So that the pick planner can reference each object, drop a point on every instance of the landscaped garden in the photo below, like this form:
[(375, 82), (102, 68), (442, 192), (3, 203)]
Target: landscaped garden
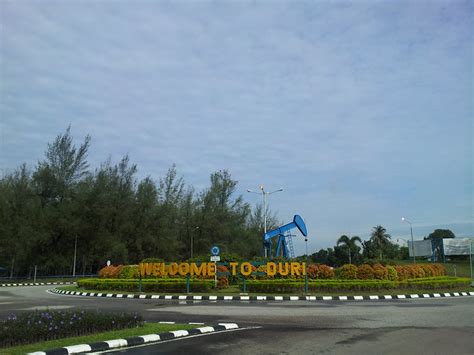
[(318, 278)]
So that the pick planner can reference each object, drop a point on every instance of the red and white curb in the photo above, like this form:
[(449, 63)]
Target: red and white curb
[(137, 340)]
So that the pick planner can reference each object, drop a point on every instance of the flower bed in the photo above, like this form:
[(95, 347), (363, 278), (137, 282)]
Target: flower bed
[(26, 328)]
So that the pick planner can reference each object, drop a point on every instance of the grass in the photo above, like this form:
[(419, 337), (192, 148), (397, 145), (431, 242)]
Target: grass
[(148, 328)]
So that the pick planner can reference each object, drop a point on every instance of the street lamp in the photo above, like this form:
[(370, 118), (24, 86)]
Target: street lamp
[(264, 198), (412, 244), (75, 254)]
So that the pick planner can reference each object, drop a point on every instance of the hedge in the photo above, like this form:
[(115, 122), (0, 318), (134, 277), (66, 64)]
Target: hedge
[(314, 271), (148, 285), (285, 286)]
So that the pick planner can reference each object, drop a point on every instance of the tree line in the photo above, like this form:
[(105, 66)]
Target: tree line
[(109, 214), (353, 250)]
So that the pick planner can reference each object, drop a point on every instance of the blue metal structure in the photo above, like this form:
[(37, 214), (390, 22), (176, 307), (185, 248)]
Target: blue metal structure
[(284, 245)]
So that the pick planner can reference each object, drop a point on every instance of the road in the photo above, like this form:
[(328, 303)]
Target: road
[(425, 326)]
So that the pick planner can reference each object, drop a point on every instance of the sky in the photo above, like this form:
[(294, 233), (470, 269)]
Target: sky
[(362, 111)]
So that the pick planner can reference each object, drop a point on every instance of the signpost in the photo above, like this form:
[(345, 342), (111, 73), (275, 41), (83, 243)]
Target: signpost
[(215, 258)]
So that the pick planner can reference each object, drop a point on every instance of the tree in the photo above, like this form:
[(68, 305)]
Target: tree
[(113, 215), (437, 237), (441, 233), (380, 238), (324, 256), (350, 245)]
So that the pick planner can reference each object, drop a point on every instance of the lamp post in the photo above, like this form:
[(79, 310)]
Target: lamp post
[(75, 254), (264, 198), (411, 232)]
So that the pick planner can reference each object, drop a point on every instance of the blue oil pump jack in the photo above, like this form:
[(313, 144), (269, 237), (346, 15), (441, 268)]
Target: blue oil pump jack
[(284, 237)]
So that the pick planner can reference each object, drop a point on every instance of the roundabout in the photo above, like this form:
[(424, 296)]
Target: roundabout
[(407, 325)]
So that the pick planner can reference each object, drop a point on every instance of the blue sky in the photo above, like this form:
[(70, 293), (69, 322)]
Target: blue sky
[(362, 111)]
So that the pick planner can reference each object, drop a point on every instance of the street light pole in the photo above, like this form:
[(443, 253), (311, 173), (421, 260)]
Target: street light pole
[(75, 253), (264, 199), (412, 243)]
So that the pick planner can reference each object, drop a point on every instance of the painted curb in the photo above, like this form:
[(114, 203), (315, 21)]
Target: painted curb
[(37, 284), (263, 298), (136, 340)]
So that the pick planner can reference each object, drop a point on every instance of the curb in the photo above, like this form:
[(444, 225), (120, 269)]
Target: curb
[(136, 340), (263, 298), (37, 284)]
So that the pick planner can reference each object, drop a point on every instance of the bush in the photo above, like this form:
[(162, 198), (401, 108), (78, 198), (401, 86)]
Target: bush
[(325, 272), (312, 271), (148, 285), (380, 272), (110, 272), (37, 326), (392, 274), (297, 286), (129, 272), (321, 271), (152, 260), (402, 272), (365, 272), (347, 272)]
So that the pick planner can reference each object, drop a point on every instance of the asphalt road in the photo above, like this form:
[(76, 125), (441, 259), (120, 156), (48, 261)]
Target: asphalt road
[(425, 326)]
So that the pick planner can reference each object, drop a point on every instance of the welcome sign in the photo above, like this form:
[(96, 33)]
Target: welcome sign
[(209, 269)]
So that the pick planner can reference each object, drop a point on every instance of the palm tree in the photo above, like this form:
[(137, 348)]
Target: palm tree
[(350, 243), (380, 237)]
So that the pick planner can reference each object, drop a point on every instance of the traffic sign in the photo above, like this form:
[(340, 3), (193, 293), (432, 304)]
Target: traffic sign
[(215, 250), (215, 258)]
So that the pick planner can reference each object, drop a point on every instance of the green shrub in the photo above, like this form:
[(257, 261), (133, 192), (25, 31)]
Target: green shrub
[(347, 272), (129, 272), (152, 260), (392, 274), (295, 286), (365, 272), (148, 285)]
